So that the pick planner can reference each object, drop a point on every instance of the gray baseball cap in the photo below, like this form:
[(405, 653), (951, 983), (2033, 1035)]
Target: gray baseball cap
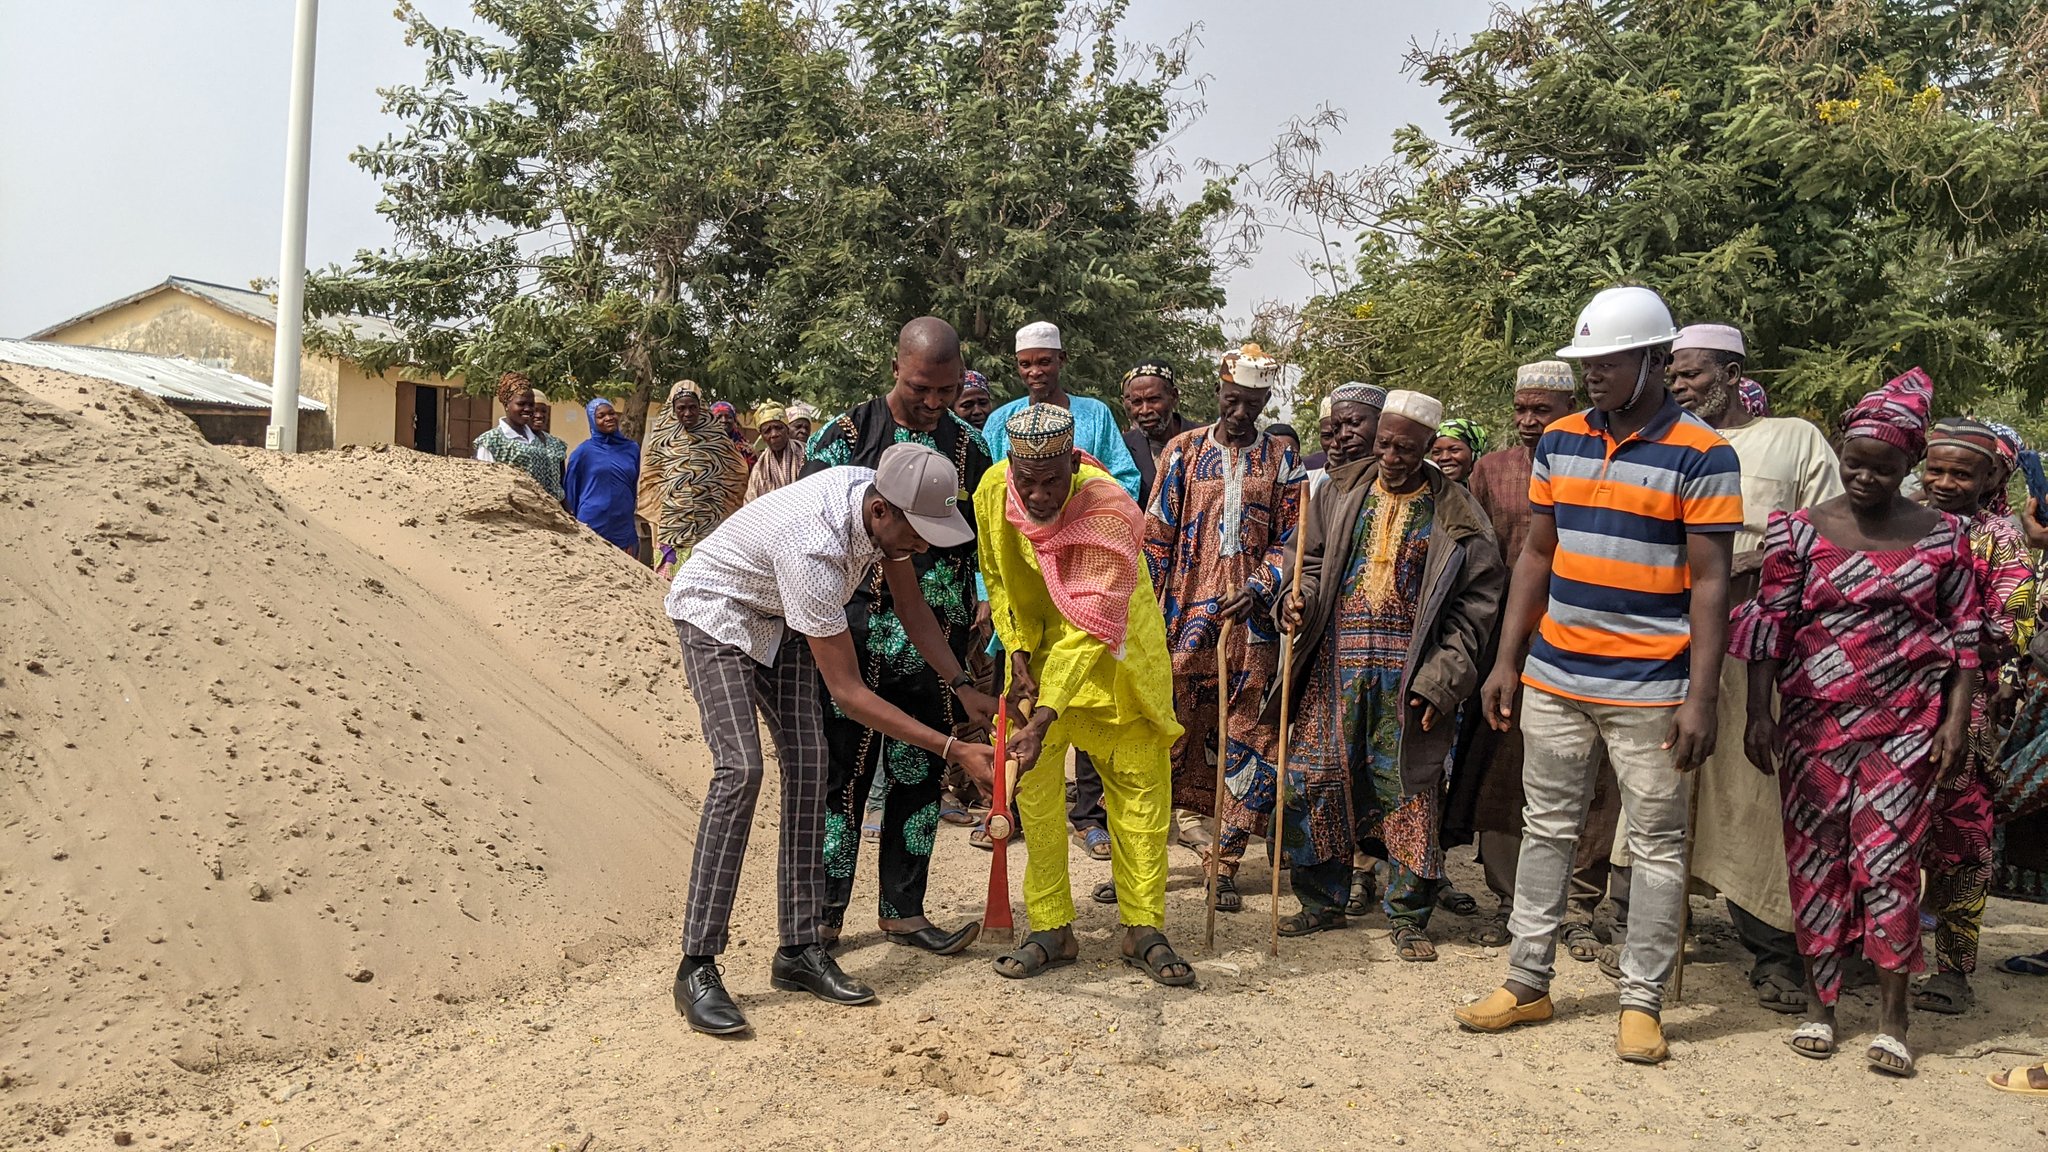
[(923, 486)]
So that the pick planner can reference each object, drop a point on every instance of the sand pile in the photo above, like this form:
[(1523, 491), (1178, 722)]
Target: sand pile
[(270, 784)]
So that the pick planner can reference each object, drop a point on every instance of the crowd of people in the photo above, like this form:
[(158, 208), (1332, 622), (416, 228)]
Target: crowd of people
[(1661, 644)]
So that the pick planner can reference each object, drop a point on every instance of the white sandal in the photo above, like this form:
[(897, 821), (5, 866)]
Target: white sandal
[(1813, 1030), (1891, 1046)]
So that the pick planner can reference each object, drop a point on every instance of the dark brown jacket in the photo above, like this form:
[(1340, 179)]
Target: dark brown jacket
[(1462, 581)]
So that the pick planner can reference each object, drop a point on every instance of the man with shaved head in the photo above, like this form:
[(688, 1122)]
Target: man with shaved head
[(917, 410)]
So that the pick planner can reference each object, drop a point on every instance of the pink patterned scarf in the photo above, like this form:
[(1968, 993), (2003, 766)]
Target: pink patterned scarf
[(1090, 555)]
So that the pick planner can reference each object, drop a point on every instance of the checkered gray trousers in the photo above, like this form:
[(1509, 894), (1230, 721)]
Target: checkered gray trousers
[(730, 686)]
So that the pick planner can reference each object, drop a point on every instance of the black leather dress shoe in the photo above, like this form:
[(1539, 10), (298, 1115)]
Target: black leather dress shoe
[(813, 971), (930, 939), (702, 1000)]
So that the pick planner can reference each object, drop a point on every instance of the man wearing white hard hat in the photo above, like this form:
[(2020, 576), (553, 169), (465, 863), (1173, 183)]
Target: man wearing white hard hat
[(1739, 827), (1486, 783), (1616, 625)]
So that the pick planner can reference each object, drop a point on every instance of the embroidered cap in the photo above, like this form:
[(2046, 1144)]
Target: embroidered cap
[(1353, 392), (1254, 369), (1546, 376), (924, 486), (1040, 431)]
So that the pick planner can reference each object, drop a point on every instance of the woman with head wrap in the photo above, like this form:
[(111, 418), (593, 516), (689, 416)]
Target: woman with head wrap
[(1966, 467), (692, 475), (514, 440), (598, 486), (782, 455), (1867, 623), (1457, 446), (729, 417), (975, 401)]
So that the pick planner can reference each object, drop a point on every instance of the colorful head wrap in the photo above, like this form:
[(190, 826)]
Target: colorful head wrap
[(1753, 398), (511, 384), (1370, 395), (768, 414), (723, 409), (2010, 443), (1159, 368), (970, 381), (1459, 428), (1895, 414), (1040, 432), (798, 410)]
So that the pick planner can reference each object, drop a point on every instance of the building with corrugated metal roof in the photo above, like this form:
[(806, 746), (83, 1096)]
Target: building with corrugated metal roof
[(236, 329), (229, 408)]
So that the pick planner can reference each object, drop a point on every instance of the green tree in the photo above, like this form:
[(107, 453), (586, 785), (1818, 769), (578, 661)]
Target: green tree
[(757, 197), (1859, 184)]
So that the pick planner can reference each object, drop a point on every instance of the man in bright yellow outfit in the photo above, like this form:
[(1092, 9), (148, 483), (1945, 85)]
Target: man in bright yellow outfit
[(1062, 553)]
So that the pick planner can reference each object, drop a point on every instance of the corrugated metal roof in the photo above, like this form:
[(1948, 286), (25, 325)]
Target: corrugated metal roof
[(261, 306), (164, 376), (258, 306)]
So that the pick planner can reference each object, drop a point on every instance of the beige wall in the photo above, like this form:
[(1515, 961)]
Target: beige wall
[(170, 323), (361, 408)]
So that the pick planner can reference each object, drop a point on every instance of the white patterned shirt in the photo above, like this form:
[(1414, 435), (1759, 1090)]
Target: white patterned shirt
[(793, 557)]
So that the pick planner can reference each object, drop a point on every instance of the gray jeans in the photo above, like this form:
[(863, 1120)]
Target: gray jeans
[(1562, 742)]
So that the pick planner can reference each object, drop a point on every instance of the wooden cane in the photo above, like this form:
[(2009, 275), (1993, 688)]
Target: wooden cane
[(1222, 747), (1674, 992), (1286, 701)]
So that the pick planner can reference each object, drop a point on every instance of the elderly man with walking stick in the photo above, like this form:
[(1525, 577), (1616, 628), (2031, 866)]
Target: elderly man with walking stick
[(1216, 537), (1395, 597)]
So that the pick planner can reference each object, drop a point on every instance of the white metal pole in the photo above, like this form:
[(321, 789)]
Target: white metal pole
[(283, 433)]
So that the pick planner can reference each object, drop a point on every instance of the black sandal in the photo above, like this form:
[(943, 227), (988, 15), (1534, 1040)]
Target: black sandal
[(1150, 943), (1413, 944), (1363, 896), (1038, 953), (1103, 893), (1306, 923), (1227, 896), (1582, 942), (1455, 902)]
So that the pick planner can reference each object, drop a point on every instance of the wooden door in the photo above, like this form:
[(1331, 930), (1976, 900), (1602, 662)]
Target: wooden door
[(468, 417), (403, 431)]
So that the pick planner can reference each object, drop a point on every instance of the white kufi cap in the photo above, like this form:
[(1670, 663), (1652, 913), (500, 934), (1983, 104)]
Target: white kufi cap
[(1427, 411), (1712, 337), (1038, 334)]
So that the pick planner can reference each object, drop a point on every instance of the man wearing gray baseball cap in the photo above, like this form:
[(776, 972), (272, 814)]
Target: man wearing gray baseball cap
[(760, 609)]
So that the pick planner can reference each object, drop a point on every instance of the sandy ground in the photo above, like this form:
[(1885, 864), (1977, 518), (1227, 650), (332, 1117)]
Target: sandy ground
[(528, 839)]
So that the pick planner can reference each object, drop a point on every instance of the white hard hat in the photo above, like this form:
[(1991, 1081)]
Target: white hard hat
[(1619, 319)]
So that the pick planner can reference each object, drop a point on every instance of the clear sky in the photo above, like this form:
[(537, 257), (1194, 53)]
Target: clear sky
[(146, 139)]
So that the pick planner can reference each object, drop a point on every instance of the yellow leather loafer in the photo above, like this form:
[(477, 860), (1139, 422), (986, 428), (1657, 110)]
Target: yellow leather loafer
[(1641, 1040), (1498, 1012)]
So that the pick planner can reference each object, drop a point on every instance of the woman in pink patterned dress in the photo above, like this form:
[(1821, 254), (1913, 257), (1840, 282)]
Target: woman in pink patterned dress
[(1866, 625)]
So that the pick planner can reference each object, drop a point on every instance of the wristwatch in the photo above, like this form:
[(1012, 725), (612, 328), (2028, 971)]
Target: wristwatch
[(963, 680)]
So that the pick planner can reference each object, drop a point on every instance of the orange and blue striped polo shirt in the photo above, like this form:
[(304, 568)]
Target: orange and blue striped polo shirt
[(1618, 630)]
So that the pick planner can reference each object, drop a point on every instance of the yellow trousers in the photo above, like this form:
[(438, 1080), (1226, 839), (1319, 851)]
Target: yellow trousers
[(1137, 795)]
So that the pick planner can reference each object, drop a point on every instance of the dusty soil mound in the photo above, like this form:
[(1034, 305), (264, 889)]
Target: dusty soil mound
[(267, 791)]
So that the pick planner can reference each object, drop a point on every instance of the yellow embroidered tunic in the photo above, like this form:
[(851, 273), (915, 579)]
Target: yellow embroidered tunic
[(1120, 712)]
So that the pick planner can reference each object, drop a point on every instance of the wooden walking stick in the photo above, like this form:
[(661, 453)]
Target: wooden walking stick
[(1674, 992), (1222, 748), (1286, 705), (995, 912)]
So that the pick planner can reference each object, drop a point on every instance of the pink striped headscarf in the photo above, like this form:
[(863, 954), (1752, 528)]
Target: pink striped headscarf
[(1089, 555)]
